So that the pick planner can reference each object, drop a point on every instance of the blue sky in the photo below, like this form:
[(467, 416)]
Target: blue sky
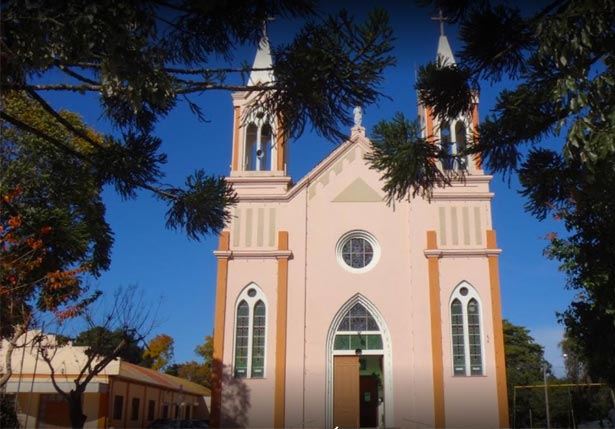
[(167, 266)]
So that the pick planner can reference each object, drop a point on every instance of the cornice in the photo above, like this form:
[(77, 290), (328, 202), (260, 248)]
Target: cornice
[(482, 196), (461, 253), (253, 254)]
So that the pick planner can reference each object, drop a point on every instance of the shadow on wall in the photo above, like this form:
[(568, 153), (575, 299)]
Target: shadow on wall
[(235, 400)]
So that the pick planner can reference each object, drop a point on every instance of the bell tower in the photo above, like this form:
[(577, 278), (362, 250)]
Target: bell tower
[(452, 134), (259, 152)]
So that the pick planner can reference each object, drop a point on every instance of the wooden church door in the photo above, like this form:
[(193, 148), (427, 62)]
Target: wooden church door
[(346, 391)]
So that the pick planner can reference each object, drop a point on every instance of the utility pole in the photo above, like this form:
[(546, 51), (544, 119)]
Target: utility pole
[(544, 371)]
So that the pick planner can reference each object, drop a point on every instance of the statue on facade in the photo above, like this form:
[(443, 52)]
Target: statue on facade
[(358, 116)]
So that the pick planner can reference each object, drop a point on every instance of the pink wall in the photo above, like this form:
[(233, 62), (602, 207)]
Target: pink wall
[(398, 286)]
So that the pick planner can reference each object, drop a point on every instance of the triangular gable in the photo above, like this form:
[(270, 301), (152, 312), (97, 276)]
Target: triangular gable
[(348, 152), (358, 192)]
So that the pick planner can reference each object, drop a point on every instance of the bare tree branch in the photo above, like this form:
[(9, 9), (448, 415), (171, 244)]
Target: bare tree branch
[(8, 358), (48, 359)]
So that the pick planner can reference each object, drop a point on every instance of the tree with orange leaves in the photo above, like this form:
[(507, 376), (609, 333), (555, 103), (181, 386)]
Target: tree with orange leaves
[(53, 232), (21, 256)]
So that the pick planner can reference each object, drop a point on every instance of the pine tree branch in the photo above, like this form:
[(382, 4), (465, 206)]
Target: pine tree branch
[(41, 101), (159, 191), (172, 6), (76, 75), (42, 135), (52, 87), (216, 70), (195, 86)]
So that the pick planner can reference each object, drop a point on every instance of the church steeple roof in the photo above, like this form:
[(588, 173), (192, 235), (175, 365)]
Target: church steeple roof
[(262, 60), (445, 53), (444, 50)]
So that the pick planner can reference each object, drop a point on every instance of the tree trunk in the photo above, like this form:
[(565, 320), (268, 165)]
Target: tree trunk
[(75, 405), (8, 358)]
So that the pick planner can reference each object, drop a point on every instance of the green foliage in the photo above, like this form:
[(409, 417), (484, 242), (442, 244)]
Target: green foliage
[(562, 61), (195, 371), (524, 357), (408, 162), (143, 57), (554, 125), (524, 366), (203, 208), (104, 342), (346, 61), (583, 198), (57, 200), (441, 79), (56, 190)]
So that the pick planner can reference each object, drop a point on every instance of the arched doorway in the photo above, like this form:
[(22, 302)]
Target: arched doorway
[(359, 375)]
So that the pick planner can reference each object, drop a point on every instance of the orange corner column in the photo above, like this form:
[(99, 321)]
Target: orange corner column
[(498, 331), (219, 320), (281, 324), (280, 141), (429, 128), (436, 332)]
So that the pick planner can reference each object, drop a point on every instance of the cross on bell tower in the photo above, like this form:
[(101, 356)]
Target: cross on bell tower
[(444, 53), (442, 20)]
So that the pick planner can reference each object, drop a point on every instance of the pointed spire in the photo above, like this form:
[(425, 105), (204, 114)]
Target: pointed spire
[(444, 48), (262, 60)]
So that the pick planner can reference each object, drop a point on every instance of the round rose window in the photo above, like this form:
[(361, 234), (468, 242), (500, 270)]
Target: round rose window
[(357, 251)]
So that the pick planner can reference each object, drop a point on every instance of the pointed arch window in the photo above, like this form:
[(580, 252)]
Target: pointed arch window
[(358, 330), (446, 145), (250, 333), (466, 332), (460, 142), (251, 146), (266, 145), (258, 143)]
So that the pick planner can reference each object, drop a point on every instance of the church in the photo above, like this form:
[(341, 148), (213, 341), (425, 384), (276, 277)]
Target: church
[(334, 309)]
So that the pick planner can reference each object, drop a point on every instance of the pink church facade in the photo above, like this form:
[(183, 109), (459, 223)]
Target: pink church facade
[(334, 309)]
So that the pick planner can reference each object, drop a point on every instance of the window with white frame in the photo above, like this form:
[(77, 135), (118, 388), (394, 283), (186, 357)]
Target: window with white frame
[(466, 331), (447, 146), (357, 251), (250, 333), (258, 143), (460, 146), (453, 142), (358, 330)]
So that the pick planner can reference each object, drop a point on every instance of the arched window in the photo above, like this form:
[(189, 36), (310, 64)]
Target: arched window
[(258, 147), (460, 139), (258, 339), (358, 330), (266, 143), (459, 354), (466, 332), (446, 144), (250, 333), (250, 147)]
